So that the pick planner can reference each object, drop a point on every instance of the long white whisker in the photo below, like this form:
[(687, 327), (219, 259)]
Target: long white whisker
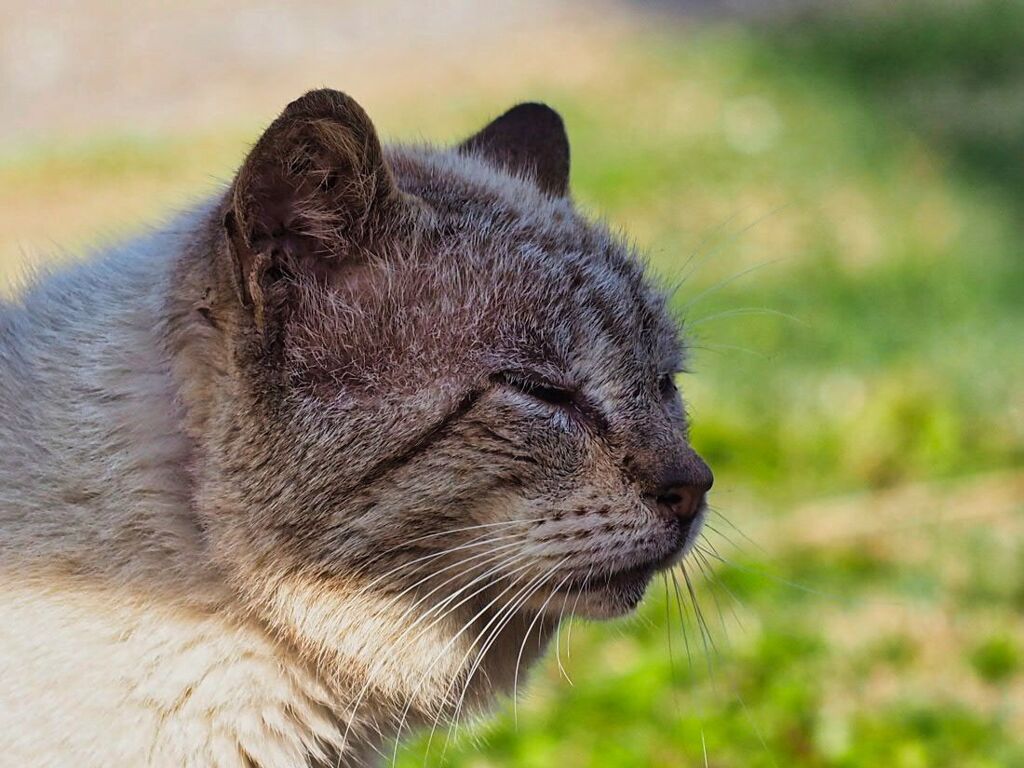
[(682, 621), (702, 626), (690, 267), (740, 312), (522, 647), (372, 673), (472, 543), (576, 602), (701, 561), (773, 577), (501, 619), (740, 531), (440, 654), (449, 531), (558, 640), (701, 554), (668, 634), (727, 281)]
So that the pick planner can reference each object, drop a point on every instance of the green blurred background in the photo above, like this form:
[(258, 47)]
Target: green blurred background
[(838, 190)]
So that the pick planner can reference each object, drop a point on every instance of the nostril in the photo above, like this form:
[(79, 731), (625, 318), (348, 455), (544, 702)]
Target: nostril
[(680, 501)]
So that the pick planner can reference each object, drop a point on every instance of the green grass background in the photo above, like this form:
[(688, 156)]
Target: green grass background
[(840, 196)]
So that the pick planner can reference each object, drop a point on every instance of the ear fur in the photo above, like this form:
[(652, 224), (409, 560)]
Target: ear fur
[(529, 139), (312, 189)]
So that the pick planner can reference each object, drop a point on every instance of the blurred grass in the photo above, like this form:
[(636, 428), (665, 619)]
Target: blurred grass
[(840, 196)]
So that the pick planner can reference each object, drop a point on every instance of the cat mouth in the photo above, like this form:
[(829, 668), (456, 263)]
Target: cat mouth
[(631, 575), (625, 582), (609, 581), (607, 593)]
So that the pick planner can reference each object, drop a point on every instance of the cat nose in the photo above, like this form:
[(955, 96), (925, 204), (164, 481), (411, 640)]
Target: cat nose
[(681, 496), (682, 502)]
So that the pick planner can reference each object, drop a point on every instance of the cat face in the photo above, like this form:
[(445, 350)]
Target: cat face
[(450, 384)]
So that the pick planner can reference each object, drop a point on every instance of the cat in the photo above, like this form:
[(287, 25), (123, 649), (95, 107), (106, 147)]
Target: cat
[(330, 456)]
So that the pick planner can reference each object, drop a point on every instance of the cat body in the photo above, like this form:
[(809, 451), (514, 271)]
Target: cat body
[(309, 467)]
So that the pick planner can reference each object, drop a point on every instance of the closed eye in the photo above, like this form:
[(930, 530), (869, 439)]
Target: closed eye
[(564, 399), (549, 394)]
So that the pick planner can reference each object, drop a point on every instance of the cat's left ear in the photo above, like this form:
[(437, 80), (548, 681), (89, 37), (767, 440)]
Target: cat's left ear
[(529, 139)]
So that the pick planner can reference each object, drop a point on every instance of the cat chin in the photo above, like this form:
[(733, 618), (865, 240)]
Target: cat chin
[(610, 604), (606, 596)]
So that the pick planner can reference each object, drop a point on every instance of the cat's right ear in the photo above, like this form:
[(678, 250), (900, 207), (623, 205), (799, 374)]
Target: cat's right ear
[(314, 189)]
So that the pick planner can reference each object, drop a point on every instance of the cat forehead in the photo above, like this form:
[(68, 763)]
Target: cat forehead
[(495, 275), (534, 261)]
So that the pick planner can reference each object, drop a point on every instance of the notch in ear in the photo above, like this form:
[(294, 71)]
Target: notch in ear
[(314, 188), (529, 139)]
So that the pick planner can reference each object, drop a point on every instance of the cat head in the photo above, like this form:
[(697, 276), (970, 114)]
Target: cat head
[(445, 392)]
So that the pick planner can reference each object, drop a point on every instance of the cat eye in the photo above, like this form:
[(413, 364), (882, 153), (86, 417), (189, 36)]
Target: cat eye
[(563, 399), (549, 394)]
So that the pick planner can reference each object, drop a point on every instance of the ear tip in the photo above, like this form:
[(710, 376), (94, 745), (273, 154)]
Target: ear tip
[(529, 138), (536, 113), (322, 103)]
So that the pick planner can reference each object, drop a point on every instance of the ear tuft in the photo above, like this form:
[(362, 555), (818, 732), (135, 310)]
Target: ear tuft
[(530, 139)]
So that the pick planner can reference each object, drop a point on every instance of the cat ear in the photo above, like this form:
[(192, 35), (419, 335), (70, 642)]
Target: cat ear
[(529, 139), (312, 190)]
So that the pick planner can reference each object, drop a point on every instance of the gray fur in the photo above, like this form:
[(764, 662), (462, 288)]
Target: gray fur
[(244, 458)]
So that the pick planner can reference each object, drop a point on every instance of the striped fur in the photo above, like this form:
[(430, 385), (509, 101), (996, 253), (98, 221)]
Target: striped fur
[(272, 515)]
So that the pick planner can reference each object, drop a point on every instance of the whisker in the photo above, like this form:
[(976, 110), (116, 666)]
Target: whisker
[(742, 312), (682, 620), (702, 566), (728, 281), (505, 563), (777, 579), (708, 572), (732, 238), (706, 239), (716, 511), (576, 602), (668, 635), (449, 531), (519, 658), (718, 532), (488, 556), (702, 626), (757, 731), (493, 621), (719, 347), (510, 612), (440, 655), (390, 574), (558, 640)]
